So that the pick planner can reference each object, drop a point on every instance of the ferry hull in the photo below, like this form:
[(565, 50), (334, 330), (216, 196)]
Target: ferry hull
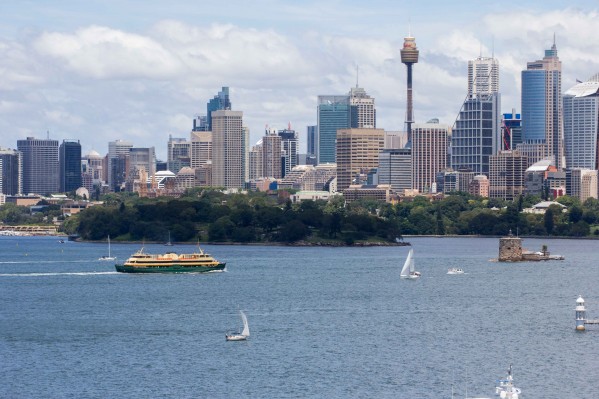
[(169, 268)]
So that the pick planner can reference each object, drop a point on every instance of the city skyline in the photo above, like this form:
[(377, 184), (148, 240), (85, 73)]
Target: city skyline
[(83, 72)]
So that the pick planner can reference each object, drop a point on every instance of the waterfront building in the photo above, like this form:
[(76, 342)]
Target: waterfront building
[(11, 172), (542, 105), (429, 154), (229, 149), (69, 161), (40, 165), (395, 169), (581, 124), (357, 152), (506, 175)]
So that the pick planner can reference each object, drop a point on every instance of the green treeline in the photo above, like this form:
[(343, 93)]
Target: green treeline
[(210, 215)]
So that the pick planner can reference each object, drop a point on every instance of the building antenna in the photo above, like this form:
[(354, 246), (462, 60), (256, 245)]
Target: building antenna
[(48, 134), (492, 46), (357, 75)]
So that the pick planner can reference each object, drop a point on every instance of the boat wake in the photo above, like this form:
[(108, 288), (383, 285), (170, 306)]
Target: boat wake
[(16, 262), (56, 274)]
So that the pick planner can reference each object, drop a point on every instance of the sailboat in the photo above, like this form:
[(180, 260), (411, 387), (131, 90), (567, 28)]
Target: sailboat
[(408, 267), (169, 243), (242, 336), (109, 257)]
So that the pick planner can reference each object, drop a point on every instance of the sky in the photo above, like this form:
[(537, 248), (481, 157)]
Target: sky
[(102, 70)]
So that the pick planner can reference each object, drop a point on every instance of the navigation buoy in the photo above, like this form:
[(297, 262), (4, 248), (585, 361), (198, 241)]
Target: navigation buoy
[(581, 314)]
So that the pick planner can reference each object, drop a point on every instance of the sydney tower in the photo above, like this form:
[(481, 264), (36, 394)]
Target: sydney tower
[(409, 56)]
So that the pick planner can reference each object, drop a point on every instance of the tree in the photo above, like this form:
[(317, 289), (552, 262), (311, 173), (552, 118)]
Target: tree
[(548, 220), (294, 230), (575, 213)]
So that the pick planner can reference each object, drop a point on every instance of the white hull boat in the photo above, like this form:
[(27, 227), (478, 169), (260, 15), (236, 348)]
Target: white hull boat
[(408, 271), (244, 334)]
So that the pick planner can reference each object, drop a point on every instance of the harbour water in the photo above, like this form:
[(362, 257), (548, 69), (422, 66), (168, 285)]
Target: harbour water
[(325, 322)]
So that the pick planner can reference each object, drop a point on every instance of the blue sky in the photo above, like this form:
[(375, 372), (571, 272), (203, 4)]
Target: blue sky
[(141, 70)]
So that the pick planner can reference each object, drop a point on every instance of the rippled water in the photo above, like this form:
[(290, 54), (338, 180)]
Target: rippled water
[(325, 323)]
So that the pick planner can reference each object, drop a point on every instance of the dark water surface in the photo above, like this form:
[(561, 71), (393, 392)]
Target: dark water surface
[(325, 322)]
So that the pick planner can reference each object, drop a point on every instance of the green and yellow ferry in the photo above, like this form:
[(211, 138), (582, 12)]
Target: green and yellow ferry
[(170, 262)]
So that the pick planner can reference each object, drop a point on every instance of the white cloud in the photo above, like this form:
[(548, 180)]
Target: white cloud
[(104, 53)]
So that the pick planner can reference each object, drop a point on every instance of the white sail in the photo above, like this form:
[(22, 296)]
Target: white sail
[(246, 327), (109, 257), (408, 265), (109, 246)]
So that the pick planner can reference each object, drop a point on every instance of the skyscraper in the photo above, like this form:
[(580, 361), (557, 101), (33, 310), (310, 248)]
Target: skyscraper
[(429, 154), (11, 178), (178, 153), (362, 109), (311, 140), (542, 104), (118, 150), (357, 152), (409, 56), (581, 124), (506, 175), (219, 102), (483, 76), (271, 154), (40, 165), (229, 147), (289, 150), (395, 168), (333, 114), (477, 131), (201, 148), (69, 154)]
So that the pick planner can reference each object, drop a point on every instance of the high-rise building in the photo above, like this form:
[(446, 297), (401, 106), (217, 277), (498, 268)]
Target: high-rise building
[(511, 129), (357, 152), (142, 164), (395, 168), (581, 183), (476, 133), (506, 175), (542, 104), (429, 154), (201, 148), (483, 76), (40, 165), (11, 178), (311, 140), (289, 150), (229, 149), (409, 56), (333, 114), (118, 150), (178, 153), (581, 125), (271, 154), (219, 102), (92, 170), (255, 158), (362, 112), (69, 161)]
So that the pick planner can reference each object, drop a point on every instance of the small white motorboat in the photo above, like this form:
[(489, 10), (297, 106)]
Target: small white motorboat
[(455, 270)]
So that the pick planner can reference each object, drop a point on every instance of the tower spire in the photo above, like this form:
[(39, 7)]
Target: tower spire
[(357, 75)]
